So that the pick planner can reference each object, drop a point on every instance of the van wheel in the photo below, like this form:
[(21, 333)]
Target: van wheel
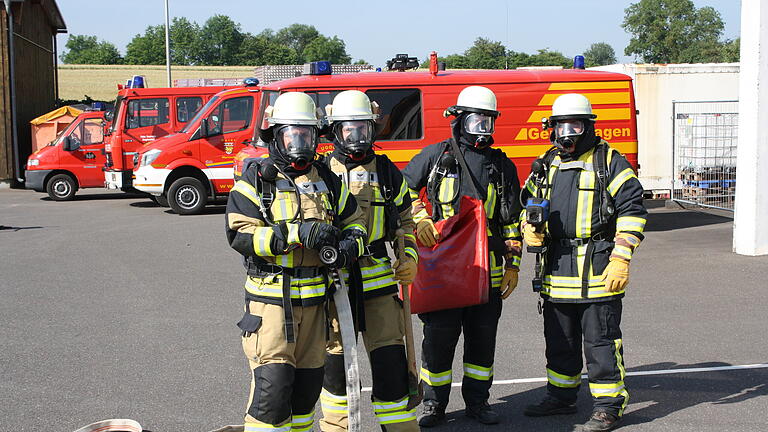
[(187, 196), (160, 200), (61, 187)]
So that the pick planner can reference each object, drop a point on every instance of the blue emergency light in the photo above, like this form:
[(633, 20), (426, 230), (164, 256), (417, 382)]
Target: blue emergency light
[(98, 106), (136, 82), (318, 68), (251, 82), (578, 62)]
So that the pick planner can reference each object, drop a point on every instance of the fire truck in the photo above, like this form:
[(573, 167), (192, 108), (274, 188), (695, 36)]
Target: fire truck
[(142, 115), (412, 105), (193, 166), (72, 161)]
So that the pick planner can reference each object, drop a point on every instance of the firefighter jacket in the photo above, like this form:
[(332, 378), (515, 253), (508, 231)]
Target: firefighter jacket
[(250, 232), (580, 240), (496, 180), (382, 195)]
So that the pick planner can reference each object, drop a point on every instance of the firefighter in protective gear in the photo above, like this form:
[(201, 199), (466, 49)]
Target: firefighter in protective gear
[(495, 177), (382, 195), (596, 221), (281, 212)]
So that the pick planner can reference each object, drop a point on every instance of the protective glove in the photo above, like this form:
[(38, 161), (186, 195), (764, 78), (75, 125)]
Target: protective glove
[(315, 235), (348, 252), (427, 233), (616, 275), (405, 270), (509, 282), (532, 238)]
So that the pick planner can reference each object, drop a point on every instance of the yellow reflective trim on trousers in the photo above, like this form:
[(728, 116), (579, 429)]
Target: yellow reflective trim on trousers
[(619, 180), (490, 201), (445, 194), (380, 407), (263, 427), (607, 390), (399, 417), (333, 403), (303, 422), (630, 223), (479, 373), (262, 239), (248, 191), (436, 379), (563, 381), (618, 343)]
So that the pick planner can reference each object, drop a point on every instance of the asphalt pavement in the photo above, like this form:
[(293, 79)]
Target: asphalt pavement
[(113, 307)]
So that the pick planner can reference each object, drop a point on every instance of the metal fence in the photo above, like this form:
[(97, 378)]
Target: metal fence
[(704, 153)]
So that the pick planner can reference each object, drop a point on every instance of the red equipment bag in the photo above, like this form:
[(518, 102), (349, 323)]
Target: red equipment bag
[(454, 272)]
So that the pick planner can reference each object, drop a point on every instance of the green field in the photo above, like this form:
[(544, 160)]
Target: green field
[(100, 81)]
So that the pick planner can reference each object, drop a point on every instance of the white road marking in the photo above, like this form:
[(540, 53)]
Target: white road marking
[(636, 373)]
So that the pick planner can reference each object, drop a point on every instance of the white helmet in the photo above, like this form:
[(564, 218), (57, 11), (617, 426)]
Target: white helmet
[(572, 105), (477, 99), (294, 108), (351, 105)]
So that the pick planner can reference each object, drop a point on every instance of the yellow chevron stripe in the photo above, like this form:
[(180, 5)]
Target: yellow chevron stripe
[(602, 114), (594, 98), (600, 85)]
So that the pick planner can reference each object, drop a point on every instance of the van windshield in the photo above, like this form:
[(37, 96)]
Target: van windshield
[(115, 113), (200, 112)]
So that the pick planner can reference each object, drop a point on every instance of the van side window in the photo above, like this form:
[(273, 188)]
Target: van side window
[(232, 115), (93, 131), (147, 112), (400, 117), (187, 107)]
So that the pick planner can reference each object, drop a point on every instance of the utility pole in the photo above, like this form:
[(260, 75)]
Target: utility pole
[(167, 44)]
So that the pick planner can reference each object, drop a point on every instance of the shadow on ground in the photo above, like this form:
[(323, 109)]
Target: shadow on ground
[(681, 219), (659, 395)]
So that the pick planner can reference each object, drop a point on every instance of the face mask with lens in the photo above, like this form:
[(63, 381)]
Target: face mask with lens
[(297, 144), (355, 137), (478, 124), (568, 133)]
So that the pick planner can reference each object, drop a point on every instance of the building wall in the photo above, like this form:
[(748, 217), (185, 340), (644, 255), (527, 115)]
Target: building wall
[(34, 78), (656, 88)]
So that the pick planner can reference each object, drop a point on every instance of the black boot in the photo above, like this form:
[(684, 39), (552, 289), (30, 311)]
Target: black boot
[(601, 421), (549, 406), (482, 413), (433, 414)]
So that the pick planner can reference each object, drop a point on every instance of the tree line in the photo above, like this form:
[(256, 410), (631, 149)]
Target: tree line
[(663, 31), (220, 41)]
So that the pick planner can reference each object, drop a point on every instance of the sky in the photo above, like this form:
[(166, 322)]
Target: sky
[(377, 30)]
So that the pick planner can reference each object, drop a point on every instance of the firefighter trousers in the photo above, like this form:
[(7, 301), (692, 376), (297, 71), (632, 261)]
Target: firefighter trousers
[(598, 324), (286, 377), (441, 334), (383, 339)]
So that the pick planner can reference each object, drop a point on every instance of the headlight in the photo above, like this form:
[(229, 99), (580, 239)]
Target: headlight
[(149, 157), (33, 162)]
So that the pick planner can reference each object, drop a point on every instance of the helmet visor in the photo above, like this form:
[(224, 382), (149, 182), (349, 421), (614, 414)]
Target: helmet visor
[(353, 132), (566, 128), (479, 124), (297, 139)]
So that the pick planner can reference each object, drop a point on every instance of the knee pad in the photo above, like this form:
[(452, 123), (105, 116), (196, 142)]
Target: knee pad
[(272, 391), (390, 373), (335, 380), (306, 391)]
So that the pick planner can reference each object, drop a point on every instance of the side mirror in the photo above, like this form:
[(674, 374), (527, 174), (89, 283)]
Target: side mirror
[(68, 144), (109, 115), (203, 128)]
